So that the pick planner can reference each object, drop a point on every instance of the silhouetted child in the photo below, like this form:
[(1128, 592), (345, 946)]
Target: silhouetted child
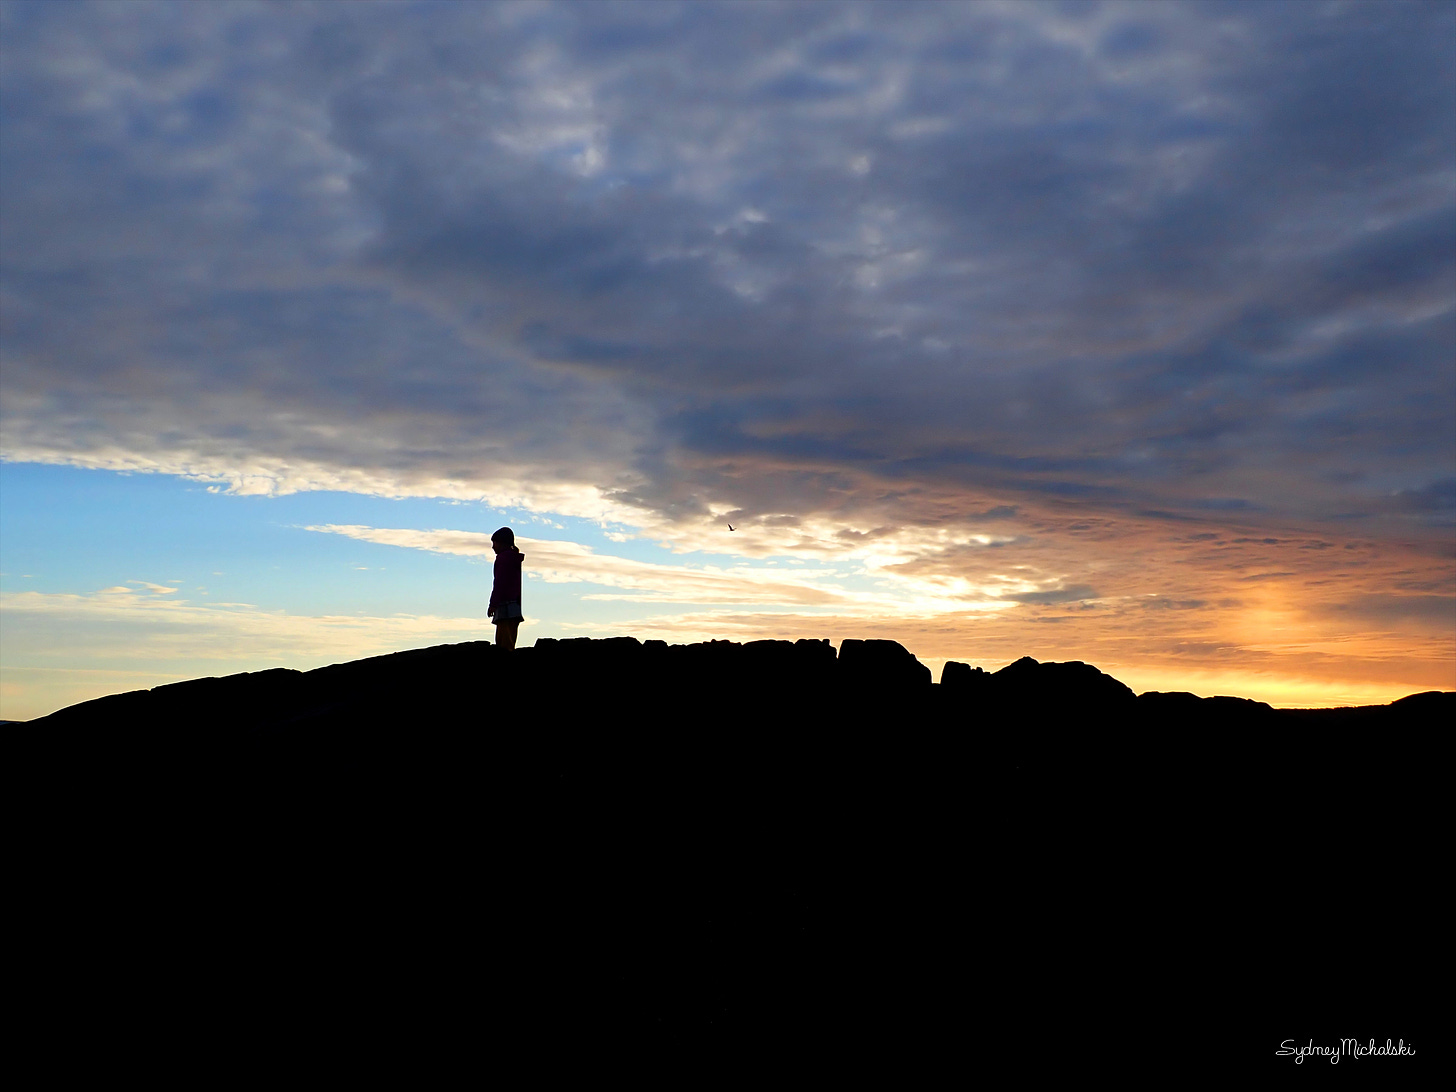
[(505, 593)]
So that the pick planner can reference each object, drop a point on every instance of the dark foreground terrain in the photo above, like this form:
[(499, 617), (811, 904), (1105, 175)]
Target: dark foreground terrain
[(726, 839)]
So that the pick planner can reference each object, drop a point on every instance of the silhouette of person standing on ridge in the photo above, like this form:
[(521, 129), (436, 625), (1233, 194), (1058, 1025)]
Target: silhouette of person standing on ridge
[(505, 592)]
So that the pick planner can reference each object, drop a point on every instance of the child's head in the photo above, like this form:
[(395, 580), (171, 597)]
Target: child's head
[(504, 540)]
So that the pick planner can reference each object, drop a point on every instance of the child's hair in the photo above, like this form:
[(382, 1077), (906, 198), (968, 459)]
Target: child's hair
[(506, 535)]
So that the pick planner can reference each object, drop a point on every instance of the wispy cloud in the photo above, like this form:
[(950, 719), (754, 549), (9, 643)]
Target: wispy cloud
[(155, 589), (558, 562), (158, 628)]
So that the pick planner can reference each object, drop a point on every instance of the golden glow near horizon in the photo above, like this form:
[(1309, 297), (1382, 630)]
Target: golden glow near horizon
[(1295, 620), (1273, 618)]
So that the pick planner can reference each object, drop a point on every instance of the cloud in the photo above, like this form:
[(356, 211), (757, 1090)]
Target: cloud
[(117, 624), (1056, 595), (155, 589), (559, 562), (667, 260), (1439, 610)]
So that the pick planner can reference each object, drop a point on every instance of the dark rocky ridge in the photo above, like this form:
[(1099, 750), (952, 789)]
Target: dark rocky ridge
[(716, 682), (646, 839)]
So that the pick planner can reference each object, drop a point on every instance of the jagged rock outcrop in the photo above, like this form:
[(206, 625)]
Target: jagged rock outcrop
[(707, 685), (962, 676), (1041, 689), (879, 666), (582, 680)]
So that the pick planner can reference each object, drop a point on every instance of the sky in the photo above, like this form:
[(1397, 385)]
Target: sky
[(1119, 332)]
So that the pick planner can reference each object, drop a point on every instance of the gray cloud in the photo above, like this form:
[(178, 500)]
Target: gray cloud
[(1175, 604), (1060, 595), (1433, 610), (784, 260)]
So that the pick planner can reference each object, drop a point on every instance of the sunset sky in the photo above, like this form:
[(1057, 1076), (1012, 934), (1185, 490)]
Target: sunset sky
[(1120, 332)]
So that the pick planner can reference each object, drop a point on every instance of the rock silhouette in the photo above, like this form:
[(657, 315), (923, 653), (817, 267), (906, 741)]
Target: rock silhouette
[(709, 683), (1042, 689), (654, 839)]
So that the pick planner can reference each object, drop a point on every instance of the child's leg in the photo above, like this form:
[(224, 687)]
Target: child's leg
[(505, 635)]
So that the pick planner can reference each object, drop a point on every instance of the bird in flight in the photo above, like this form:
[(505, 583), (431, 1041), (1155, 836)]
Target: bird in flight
[(731, 527)]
